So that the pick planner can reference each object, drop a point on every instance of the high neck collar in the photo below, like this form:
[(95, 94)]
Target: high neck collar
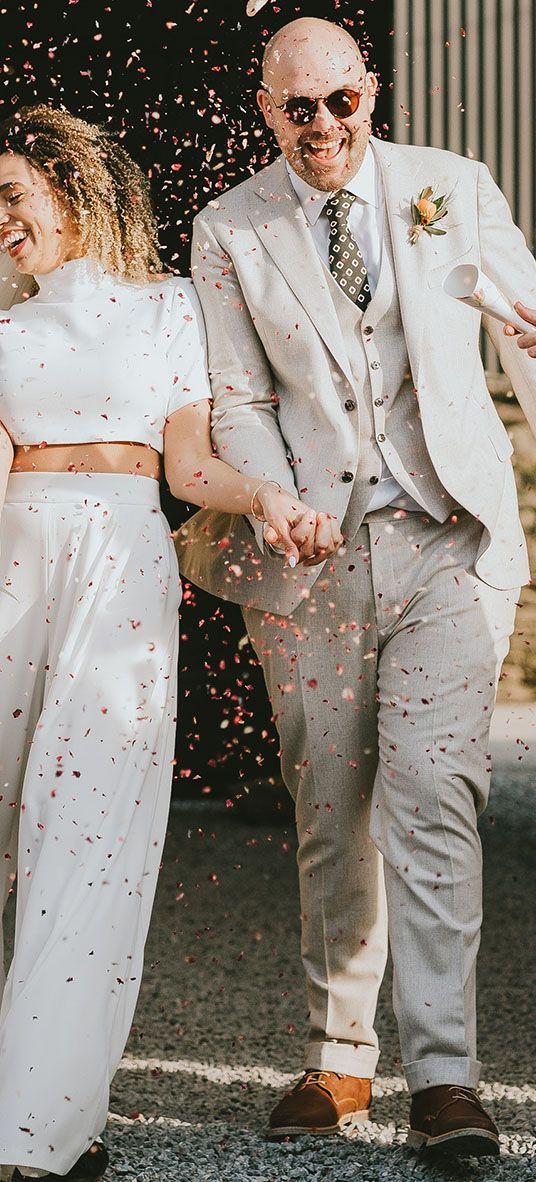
[(74, 280)]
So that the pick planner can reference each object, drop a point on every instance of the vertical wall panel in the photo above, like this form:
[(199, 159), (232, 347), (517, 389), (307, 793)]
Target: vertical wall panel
[(465, 70), (525, 123)]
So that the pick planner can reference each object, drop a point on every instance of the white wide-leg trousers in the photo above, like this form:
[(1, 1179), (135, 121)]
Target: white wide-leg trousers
[(88, 659)]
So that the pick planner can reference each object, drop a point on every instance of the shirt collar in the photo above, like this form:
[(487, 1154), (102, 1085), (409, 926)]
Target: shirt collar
[(364, 185)]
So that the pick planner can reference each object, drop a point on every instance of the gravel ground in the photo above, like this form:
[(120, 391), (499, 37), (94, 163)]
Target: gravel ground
[(221, 1018)]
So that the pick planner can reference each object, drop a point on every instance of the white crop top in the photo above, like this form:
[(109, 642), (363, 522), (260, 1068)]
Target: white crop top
[(92, 359)]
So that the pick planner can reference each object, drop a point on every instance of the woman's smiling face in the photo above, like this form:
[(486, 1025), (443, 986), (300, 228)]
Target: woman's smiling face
[(36, 228)]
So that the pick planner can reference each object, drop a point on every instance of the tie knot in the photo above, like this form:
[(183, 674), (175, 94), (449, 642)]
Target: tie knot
[(339, 205)]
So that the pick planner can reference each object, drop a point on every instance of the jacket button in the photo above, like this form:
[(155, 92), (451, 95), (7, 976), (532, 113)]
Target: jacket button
[(368, 330), (349, 404), (374, 479), (380, 438), (378, 402), (375, 365), (346, 477)]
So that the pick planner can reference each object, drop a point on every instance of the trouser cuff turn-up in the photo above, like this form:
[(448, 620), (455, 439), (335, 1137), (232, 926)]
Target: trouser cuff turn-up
[(349, 1059), (442, 1069)]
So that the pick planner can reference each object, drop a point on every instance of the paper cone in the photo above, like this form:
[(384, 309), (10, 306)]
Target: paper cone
[(254, 6), (469, 285)]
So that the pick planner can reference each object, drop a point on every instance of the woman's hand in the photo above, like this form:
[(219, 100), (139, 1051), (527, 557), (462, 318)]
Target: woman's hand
[(303, 534)]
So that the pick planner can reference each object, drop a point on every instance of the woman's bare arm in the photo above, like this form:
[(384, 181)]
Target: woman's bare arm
[(196, 475)]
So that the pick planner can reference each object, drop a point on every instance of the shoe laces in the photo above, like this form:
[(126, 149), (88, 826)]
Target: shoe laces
[(314, 1076), (457, 1092), (460, 1093)]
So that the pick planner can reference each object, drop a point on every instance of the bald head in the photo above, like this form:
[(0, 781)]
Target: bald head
[(318, 99), (308, 41)]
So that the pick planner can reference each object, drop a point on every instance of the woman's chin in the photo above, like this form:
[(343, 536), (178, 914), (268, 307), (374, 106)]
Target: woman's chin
[(24, 263)]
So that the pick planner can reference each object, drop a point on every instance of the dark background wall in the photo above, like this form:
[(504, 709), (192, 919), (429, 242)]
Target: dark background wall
[(178, 79)]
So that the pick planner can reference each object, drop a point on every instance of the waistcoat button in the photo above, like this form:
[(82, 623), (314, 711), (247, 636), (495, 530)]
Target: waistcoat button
[(368, 330), (381, 438), (346, 477), (378, 402), (374, 480), (349, 404), (375, 365)]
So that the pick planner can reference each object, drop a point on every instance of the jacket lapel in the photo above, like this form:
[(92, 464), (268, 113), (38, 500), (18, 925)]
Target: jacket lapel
[(284, 231), (413, 264), (400, 184)]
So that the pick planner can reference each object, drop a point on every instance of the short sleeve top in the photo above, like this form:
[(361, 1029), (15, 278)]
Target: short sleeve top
[(93, 359)]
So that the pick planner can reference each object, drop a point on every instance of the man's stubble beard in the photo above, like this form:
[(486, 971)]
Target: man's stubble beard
[(305, 169)]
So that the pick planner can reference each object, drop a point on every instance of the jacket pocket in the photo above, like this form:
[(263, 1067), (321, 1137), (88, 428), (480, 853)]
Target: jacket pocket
[(438, 274)]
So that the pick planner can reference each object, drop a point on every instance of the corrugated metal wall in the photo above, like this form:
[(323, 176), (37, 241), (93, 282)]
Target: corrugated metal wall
[(465, 79)]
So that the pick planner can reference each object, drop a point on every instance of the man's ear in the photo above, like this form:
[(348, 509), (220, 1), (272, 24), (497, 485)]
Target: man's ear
[(372, 87), (263, 101)]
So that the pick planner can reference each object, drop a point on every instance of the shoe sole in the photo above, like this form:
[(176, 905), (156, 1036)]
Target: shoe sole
[(459, 1143), (345, 1123)]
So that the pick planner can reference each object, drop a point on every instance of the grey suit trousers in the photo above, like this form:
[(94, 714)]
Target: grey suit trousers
[(383, 684)]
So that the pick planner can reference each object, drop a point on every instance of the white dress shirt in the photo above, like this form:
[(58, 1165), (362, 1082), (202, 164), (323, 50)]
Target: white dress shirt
[(366, 225), (366, 215)]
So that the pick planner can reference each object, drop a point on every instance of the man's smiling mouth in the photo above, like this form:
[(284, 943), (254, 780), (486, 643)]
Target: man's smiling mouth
[(326, 150)]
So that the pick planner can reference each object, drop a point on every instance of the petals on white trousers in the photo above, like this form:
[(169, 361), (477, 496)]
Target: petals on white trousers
[(88, 660)]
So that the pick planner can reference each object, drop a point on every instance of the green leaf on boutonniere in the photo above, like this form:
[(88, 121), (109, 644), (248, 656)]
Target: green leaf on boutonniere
[(426, 210)]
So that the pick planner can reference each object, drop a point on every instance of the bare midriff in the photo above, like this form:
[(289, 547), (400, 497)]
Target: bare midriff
[(134, 459)]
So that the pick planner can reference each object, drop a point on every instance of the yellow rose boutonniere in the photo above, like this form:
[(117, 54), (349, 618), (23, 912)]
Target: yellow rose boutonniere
[(426, 210)]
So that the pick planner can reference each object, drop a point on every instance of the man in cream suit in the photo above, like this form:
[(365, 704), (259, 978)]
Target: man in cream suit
[(342, 370)]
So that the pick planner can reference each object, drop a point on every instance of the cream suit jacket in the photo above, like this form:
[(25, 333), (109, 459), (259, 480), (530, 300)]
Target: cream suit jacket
[(280, 372)]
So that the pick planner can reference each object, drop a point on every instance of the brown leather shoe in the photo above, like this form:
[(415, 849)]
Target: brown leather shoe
[(451, 1120), (322, 1102)]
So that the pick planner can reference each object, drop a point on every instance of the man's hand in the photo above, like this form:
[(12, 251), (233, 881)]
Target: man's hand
[(295, 529), (317, 538), (525, 340)]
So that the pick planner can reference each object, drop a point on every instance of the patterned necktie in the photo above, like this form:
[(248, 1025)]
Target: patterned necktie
[(345, 259)]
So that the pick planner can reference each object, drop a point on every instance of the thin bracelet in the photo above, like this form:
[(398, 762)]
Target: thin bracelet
[(255, 494)]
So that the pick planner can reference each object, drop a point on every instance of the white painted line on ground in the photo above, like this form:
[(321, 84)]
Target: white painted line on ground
[(224, 1074), (166, 1122), (269, 1077)]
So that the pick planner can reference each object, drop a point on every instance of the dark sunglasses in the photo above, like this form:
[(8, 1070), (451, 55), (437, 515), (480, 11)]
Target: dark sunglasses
[(341, 103)]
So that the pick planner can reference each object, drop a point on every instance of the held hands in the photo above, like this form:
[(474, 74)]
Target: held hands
[(301, 533), (525, 340)]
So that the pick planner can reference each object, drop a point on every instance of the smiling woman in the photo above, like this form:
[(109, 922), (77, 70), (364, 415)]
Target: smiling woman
[(102, 373), (70, 195)]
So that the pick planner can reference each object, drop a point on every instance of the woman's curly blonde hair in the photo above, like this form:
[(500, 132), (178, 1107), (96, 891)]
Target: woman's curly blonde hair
[(104, 190)]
